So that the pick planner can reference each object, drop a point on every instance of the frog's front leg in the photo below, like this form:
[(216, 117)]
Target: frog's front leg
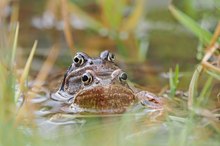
[(149, 99)]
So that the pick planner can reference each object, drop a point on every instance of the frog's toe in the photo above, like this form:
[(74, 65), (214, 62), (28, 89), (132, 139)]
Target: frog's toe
[(149, 99)]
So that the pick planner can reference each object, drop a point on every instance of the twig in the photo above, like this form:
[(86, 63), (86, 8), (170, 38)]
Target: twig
[(208, 54), (47, 66), (216, 35), (67, 27), (15, 12), (211, 49)]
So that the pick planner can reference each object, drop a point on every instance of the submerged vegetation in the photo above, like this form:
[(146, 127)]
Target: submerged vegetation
[(191, 109)]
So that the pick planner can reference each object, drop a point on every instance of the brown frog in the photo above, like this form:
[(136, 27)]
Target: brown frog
[(98, 85)]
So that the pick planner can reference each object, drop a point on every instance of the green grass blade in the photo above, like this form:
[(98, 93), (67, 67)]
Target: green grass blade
[(176, 78), (193, 86), (113, 19), (214, 74), (205, 91), (14, 44), (193, 26), (27, 67), (172, 86), (143, 49)]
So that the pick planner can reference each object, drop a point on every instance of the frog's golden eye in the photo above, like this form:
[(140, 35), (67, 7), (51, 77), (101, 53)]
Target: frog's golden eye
[(78, 60), (86, 78), (123, 76)]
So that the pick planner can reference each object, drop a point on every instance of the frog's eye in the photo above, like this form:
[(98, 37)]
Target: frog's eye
[(123, 76), (106, 55), (86, 78), (111, 57), (78, 60)]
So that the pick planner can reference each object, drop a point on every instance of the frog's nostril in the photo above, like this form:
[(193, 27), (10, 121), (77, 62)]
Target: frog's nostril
[(97, 82)]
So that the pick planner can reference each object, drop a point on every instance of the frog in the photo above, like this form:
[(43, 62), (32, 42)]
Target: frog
[(99, 85)]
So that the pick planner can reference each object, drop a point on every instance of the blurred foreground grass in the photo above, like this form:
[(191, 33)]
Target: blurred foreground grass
[(191, 121)]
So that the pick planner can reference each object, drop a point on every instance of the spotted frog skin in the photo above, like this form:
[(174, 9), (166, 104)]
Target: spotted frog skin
[(98, 85)]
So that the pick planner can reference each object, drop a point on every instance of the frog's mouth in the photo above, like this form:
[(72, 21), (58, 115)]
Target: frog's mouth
[(113, 97)]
